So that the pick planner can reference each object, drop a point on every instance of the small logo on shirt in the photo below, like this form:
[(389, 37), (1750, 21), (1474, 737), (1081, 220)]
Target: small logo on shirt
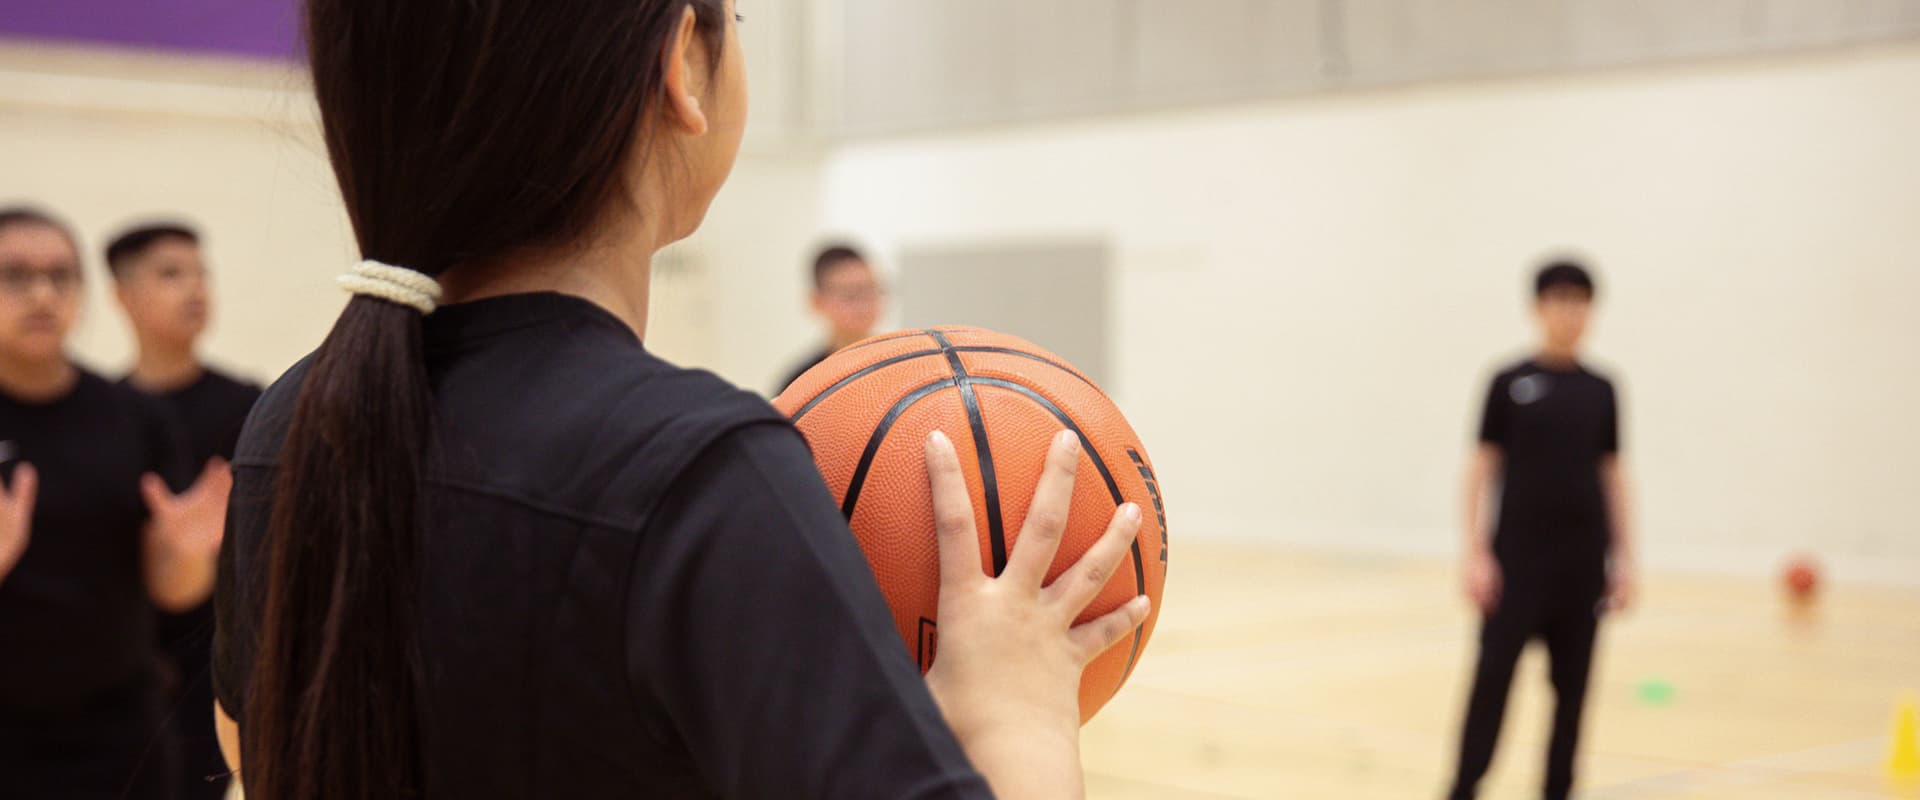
[(1529, 389)]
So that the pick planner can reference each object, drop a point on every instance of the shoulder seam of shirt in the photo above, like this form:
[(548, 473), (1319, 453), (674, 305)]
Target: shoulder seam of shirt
[(534, 503), (530, 503), (759, 470), (635, 693)]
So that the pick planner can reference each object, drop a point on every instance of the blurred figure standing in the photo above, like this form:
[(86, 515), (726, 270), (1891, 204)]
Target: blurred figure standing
[(91, 538), (160, 279), (848, 297), (1560, 553)]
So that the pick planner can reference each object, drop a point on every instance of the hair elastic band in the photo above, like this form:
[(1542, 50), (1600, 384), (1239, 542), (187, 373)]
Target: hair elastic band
[(397, 285)]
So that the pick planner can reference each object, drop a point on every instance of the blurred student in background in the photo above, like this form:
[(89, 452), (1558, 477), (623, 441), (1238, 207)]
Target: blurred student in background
[(91, 539), (848, 297), (160, 279), (1560, 553)]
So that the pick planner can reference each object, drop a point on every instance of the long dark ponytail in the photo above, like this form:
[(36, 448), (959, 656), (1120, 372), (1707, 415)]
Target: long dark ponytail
[(460, 133)]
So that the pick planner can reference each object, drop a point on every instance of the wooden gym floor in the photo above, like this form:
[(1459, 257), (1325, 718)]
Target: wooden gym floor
[(1277, 674)]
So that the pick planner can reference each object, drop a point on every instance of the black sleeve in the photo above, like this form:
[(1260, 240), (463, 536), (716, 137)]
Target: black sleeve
[(1493, 418), (1610, 431), (233, 626), (800, 369), (756, 630)]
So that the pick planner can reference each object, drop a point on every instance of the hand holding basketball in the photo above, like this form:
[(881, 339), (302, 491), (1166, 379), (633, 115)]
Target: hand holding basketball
[(1010, 658), (1013, 417)]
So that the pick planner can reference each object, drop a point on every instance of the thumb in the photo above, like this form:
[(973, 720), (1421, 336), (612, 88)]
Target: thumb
[(155, 490), (215, 480), (215, 466)]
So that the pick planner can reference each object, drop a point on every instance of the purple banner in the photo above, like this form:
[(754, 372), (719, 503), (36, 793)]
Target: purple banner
[(255, 28)]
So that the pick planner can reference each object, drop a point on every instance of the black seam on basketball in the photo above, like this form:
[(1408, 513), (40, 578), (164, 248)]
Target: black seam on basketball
[(879, 435), (843, 382), (996, 526), (1026, 355), (1113, 488), (882, 340), (870, 369)]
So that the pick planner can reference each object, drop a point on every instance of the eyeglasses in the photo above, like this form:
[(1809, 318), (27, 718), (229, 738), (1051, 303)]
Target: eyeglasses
[(19, 281), (859, 295)]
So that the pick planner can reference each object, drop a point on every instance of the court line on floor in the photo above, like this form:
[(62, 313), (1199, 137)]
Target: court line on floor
[(1774, 769)]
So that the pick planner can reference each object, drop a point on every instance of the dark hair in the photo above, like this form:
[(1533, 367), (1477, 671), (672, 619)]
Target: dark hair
[(1562, 272), (28, 215), (832, 256), (459, 133), (133, 242)]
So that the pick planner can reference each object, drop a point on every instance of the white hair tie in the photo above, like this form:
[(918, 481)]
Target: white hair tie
[(397, 285)]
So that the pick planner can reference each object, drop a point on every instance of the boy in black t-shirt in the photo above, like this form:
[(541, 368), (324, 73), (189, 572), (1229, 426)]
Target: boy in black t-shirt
[(91, 537), (160, 279), (848, 297), (1559, 554)]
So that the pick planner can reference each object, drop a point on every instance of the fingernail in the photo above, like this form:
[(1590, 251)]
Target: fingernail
[(1065, 438), (1132, 510), (1140, 605), (939, 439)]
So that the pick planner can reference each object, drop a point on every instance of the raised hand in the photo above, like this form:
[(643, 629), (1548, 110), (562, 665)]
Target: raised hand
[(193, 521), (16, 516), (183, 536)]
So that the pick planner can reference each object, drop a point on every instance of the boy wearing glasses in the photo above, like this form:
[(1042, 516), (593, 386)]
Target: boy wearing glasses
[(91, 538), (847, 296)]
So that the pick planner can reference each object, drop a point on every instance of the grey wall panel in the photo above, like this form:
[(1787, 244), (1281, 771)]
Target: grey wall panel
[(909, 64), (1289, 49), (1067, 55), (925, 64), (1205, 48), (1053, 293)]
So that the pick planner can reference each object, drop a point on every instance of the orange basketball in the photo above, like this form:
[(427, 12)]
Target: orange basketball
[(867, 412)]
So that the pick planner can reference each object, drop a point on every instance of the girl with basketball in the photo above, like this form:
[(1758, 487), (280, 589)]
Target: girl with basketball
[(482, 544)]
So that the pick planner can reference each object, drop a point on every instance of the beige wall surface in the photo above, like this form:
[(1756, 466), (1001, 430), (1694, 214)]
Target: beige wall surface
[(1308, 295), (1311, 295)]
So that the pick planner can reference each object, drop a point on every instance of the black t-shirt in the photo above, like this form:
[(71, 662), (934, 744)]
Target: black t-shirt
[(1553, 427), (76, 624), (800, 368), (634, 583), (211, 409)]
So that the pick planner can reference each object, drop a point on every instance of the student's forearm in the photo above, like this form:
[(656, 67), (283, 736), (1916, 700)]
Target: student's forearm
[(1476, 525), (1621, 544), (177, 580), (1020, 766), (1480, 470)]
